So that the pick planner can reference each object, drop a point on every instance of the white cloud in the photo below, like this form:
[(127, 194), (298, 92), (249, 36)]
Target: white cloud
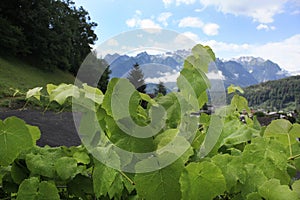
[(163, 18), (137, 22), (265, 27), (131, 22), (261, 11), (148, 23), (295, 12), (167, 2), (285, 53), (112, 42), (211, 29), (166, 77), (138, 12), (178, 2), (215, 75), (193, 22), (191, 35), (226, 50), (187, 2)]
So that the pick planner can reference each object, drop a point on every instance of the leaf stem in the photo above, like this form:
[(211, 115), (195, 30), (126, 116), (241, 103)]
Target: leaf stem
[(290, 145), (123, 174), (294, 157)]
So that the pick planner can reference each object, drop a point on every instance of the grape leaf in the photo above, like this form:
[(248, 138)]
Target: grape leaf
[(93, 93), (18, 172), (63, 91), (50, 88), (66, 167), (283, 131), (41, 161), (232, 169), (254, 196), (239, 103), (32, 189), (35, 132), (28, 189), (81, 157), (202, 180), (244, 134), (160, 184), (296, 187), (254, 178), (103, 178), (233, 89), (269, 157), (14, 138), (127, 142), (272, 189), (80, 186), (35, 92), (213, 137), (192, 81)]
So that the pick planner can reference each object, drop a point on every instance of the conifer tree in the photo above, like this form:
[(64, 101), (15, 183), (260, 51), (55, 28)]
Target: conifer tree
[(160, 89), (136, 77)]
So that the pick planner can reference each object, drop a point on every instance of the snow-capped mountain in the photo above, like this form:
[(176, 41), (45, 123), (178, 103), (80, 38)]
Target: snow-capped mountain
[(243, 71), (262, 70)]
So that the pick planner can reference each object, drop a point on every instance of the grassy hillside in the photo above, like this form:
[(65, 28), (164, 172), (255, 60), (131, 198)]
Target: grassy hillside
[(15, 74), (282, 94)]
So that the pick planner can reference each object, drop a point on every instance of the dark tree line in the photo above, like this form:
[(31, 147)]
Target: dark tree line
[(275, 94), (48, 33)]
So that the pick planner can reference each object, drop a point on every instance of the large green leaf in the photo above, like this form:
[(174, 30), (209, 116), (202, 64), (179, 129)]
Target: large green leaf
[(35, 132), (192, 81), (239, 103), (66, 167), (19, 172), (93, 93), (202, 180), (62, 92), (14, 138), (273, 190), (32, 189), (160, 184), (242, 135), (127, 142), (267, 154), (232, 169), (253, 179), (35, 92), (296, 187), (81, 186), (283, 131), (41, 161), (104, 180)]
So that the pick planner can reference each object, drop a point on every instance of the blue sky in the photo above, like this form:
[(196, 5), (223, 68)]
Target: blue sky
[(262, 28)]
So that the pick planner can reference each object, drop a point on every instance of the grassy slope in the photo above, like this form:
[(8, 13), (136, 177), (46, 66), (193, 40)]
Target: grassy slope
[(14, 74)]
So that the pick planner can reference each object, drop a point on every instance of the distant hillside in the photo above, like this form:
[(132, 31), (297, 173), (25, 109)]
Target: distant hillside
[(275, 95), (15, 74)]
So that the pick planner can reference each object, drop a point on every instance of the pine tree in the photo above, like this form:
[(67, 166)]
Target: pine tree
[(136, 77), (103, 82), (160, 89)]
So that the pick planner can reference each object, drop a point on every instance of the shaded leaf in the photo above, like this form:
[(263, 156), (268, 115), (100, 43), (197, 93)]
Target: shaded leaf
[(14, 138), (202, 180)]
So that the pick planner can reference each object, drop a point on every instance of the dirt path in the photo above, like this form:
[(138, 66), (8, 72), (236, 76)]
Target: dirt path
[(56, 129)]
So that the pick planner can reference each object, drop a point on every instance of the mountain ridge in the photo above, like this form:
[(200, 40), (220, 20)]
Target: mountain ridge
[(243, 71)]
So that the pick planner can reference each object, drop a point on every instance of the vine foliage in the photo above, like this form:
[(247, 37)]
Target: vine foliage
[(246, 161)]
